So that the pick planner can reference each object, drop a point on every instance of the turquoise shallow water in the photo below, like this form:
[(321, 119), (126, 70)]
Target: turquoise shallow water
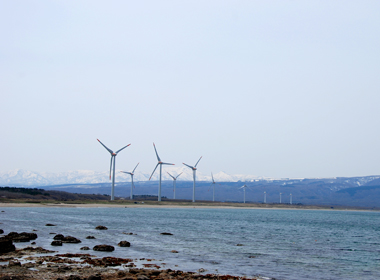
[(285, 244)]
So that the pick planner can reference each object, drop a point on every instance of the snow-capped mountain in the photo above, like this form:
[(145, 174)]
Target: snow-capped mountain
[(29, 178)]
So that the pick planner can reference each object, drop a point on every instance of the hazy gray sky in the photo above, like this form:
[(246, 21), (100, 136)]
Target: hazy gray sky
[(268, 88)]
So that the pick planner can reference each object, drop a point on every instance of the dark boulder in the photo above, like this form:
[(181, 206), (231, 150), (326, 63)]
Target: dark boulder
[(85, 248), (166, 233), (106, 248), (101, 227), (21, 237), (6, 245), (124, 244), (59, 237), (1, 231), (90, 237), (50, 225), (70, 239), (56, 243)]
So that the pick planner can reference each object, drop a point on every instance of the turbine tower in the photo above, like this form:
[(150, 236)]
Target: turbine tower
[(290, 198), (213, 187), (174, 182), (265, 197), (113, 159), (132, 184), (160, 163), (194, 168), (280, 197), (243, 187)]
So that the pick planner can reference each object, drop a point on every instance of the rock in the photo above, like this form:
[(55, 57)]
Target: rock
[(85, 248), (70, 239), (166, 233), (174, 251), (21, 237), (90, 237), (94, 277), (101, 227), (1, 231), (142, 277), (50, 225), (33, 243), (128, 233), (14, 263), (106, 248), (124, 244), (6, 245), (59, 237), (239, 244), (56, 243), (74, 277)]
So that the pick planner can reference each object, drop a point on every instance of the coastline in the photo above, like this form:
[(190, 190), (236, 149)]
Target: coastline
[(157, 205)]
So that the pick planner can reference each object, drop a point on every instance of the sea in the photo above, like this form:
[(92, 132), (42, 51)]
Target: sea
[(270, 243)]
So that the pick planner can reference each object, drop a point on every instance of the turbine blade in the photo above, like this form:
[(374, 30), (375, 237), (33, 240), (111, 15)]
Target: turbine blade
[(158, 158), (171, 175), (109, 150), (213, 181), (188, 165), (122, 148), (126, 172), (197, 162), (167, 163), (135, 168), (178, 175), (154, 170), (111, 166)]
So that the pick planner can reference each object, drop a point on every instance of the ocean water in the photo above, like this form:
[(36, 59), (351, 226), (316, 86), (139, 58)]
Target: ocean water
[(283, 244)]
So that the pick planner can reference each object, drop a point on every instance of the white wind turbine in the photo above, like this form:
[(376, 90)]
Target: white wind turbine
[(113, 159), (194, 168), (243, 187), (132, 184), (291, 199), (174, 182), (160, 163), (265, 197), (213, 187), (280, 197)]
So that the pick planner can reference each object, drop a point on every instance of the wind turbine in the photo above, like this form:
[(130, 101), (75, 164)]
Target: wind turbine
[(280, 197), (265, 197), (243, 187), (194, 168), (213, 187), (132, 184), (290, 198), (174, 181), (160, 163), (113, 158)]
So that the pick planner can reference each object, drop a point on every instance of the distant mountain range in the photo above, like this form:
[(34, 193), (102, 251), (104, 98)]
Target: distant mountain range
[(21, 177), (349, 191)]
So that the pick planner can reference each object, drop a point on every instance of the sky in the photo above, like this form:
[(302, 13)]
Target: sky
[(281, 89)]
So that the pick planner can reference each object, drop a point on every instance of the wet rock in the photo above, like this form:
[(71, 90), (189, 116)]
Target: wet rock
[(70, 239), (33, 243), (101, 227), (1, 231), (50, 225), (59, 237), (94, 277), (74, 277), (124, 244), (106, 248), (128, 233), (142, 277), (14, 263), (166, 233), (90, 237), (239, 244), (21, 237), (85, 248), (174, 251), (6, 245), (56, 243)]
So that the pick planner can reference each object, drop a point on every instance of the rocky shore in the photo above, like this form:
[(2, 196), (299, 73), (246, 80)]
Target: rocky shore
[(38, 263)]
